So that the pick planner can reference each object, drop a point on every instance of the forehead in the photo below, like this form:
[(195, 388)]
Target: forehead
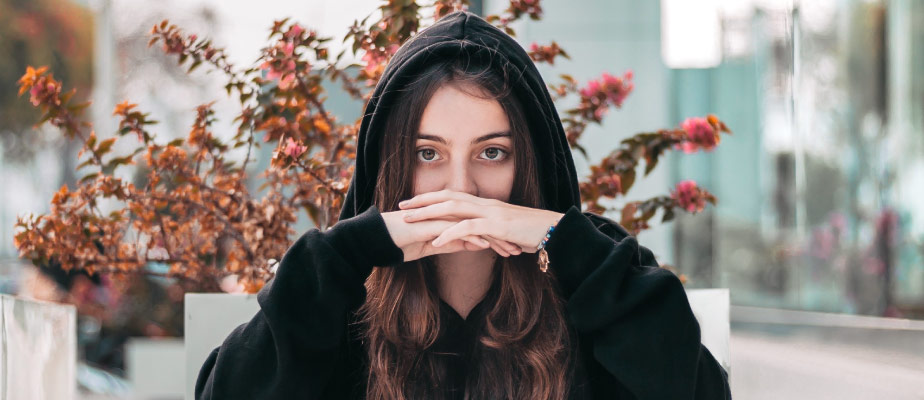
[(453, 113)]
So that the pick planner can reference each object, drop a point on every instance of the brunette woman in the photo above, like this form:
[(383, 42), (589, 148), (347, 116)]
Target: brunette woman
[(433, 286)]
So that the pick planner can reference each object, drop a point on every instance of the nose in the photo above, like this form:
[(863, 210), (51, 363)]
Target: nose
[(461, 179)]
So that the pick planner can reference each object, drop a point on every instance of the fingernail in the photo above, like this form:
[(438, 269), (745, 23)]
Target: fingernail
[(402, 204), (410, 215), (485, 242)]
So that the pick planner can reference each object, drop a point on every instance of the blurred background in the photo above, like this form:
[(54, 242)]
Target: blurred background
[(819, 229)]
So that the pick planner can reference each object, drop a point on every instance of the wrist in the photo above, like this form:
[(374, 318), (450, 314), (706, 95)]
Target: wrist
[(555, 217), (365, 240), (551, 222), (543, 254)]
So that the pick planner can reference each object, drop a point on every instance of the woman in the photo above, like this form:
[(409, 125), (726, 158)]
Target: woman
[(443, 296)]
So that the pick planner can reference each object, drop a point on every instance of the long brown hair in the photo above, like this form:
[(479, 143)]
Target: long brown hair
[(523, 346)]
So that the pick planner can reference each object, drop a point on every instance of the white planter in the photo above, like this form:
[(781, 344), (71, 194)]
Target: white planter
[(711, 308), (38, 350), (156, 368), (211, 317)]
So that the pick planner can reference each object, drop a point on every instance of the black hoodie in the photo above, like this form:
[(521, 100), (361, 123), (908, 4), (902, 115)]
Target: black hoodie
[(636, 333)]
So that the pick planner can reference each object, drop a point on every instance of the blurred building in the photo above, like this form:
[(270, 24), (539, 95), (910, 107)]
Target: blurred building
[(820, 186)]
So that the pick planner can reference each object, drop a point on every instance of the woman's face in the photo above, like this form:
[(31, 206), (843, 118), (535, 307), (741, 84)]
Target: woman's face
[(464, 145)]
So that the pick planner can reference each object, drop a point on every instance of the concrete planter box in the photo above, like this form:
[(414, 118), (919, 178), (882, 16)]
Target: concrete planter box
[(155, 367), (38, 350), (711, 308), (211, 317)]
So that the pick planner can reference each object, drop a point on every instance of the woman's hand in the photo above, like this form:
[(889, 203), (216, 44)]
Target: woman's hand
[(497, 221), (415, 238)]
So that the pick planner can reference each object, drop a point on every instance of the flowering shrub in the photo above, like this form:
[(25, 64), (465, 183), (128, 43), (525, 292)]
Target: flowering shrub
[(193, 211), (42, 32)]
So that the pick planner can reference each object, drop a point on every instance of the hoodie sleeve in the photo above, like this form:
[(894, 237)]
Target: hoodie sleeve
[(298, 343), (641, 328)]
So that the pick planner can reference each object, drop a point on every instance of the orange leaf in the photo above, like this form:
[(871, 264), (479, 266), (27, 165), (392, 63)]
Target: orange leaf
[(124, 108), (321, 125), (105, 145)]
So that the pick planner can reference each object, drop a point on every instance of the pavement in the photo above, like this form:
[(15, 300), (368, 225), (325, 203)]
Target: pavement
[(797, 365)]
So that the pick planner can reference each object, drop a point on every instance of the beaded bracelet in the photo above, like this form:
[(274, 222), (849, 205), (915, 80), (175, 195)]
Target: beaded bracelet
[(543, 254)]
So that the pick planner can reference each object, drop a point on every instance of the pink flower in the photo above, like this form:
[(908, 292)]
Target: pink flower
[(287, 82), (294, 149), (613, 87), (35, 95), (295, 31), (534, 47), (617, 88), (689, 196), (700, 135), (592, 88), (372, 61), (374, 58), (286, 75), (42, 90)]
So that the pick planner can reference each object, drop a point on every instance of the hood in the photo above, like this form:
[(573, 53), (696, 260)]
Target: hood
[(456, 34)]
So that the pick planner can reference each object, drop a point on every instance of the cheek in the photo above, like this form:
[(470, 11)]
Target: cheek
[(496, 182), (426, 180)]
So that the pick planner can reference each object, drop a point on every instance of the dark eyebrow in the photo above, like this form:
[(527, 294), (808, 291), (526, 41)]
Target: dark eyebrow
[(489, 136)]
